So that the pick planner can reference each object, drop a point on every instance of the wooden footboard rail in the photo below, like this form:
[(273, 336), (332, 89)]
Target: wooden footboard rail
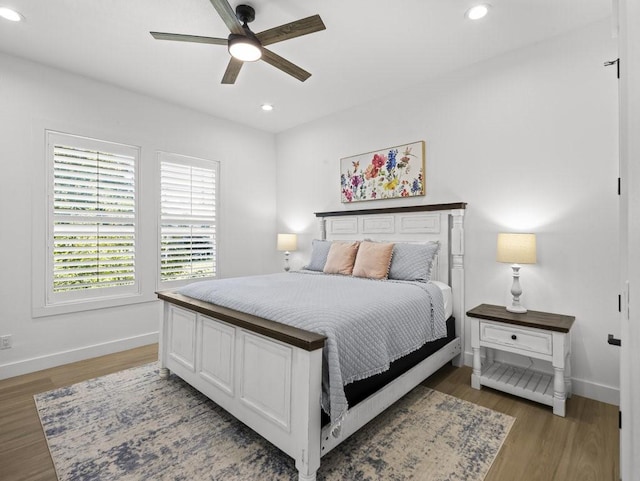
[(309, 341)]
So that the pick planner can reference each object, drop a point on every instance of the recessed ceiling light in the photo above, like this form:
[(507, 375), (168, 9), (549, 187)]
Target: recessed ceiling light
[(267, 107), (478, 12), (10, 15)]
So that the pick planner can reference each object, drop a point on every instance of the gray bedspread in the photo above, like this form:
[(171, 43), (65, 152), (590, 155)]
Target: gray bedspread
[(368, 323)]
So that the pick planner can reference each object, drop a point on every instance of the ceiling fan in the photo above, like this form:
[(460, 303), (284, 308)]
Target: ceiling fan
[(246, 46)]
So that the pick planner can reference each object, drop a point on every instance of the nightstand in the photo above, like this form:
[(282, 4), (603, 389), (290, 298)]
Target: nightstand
[(539, 335)]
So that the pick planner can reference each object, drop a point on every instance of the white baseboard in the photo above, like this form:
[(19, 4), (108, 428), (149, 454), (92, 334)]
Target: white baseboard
[(581, 387), (599, 392), (39, 363)]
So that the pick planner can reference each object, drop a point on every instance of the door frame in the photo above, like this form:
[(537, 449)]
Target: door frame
[(629, 45)]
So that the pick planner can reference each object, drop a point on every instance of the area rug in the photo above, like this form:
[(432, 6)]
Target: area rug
[(134, 426)]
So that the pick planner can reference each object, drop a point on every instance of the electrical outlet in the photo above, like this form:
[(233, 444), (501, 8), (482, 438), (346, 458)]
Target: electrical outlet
[(5, 342)]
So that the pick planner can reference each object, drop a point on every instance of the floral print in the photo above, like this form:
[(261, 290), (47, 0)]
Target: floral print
[(386, 174)]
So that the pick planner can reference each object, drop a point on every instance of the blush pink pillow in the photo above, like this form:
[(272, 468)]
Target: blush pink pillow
[(341, 257), (373, 260)]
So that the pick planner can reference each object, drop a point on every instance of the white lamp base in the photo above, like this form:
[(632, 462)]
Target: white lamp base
[(516, 292), (516, 309), (286, 261)]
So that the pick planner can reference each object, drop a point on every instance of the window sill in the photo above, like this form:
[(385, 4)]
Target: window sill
[(43, 310)]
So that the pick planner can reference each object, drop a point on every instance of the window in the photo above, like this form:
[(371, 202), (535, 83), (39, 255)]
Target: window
[(92, 219), (188, 205)]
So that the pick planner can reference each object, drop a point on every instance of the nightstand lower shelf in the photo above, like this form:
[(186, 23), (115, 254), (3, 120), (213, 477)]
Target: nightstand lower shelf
[(527, 383)]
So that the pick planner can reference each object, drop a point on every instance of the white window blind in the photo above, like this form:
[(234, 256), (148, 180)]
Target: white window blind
[(93, 214), (188, 217)]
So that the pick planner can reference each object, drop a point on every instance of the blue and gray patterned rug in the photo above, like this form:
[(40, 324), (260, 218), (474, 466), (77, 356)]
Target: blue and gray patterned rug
[(133, 426)]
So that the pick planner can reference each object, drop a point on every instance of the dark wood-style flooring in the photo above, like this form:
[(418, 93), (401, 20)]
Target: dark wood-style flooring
[(583, 446)]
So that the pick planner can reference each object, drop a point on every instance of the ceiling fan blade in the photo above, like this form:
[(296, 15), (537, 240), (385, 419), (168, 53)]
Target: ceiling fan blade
[(228, 16), (283, 64), (233, 69), (291, 30), (188, 38)]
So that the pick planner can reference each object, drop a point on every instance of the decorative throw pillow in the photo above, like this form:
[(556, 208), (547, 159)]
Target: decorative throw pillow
[(341, 257), (412, 262), (319, 252), (373, 260)]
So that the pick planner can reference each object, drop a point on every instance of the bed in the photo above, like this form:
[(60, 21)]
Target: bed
[(269, 375)]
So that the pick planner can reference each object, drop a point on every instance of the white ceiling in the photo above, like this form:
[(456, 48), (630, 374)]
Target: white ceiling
[(370, 48)]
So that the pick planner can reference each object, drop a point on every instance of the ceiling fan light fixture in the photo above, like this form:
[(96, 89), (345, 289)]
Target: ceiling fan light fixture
[(244, 48), (9, 14), (478, 11)]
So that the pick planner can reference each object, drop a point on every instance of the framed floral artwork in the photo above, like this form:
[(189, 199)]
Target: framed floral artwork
[(384, 174)]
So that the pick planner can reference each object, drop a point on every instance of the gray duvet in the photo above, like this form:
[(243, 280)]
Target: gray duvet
[(368, 323)]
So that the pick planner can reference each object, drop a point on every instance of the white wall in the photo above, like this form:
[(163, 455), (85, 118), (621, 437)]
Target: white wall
[(529, 140), (34, 98)]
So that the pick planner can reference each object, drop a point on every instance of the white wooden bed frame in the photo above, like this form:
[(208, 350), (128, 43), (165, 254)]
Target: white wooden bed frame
[(269, 375)]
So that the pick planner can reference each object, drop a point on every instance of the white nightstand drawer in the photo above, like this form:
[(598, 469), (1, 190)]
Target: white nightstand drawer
[(527, 340)]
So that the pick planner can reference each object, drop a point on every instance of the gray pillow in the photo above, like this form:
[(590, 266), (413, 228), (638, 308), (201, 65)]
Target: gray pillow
[(319, 253), (413, 262)]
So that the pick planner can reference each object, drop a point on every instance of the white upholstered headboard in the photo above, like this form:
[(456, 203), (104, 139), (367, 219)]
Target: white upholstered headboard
[(420, 223)]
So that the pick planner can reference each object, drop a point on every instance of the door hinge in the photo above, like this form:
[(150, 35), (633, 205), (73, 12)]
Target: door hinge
[(615, 62), (619, 419), (619, 302), (619, 185)]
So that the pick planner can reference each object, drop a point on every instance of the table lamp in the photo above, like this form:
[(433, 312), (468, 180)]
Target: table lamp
[(287, 243), (516, 249)]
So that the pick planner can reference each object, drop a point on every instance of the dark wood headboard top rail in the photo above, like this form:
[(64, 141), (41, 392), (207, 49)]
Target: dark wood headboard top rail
[(394, 210), (309, 341)]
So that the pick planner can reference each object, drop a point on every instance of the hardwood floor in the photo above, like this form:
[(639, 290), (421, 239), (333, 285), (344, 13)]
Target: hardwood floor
[(24, 455), (583, 446), (540, 447)]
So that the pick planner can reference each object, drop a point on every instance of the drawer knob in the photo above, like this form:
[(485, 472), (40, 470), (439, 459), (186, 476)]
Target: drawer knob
[(514, 337)]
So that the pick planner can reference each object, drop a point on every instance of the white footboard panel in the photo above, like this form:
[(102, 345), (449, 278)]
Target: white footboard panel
[(216, 349), (272, 387)]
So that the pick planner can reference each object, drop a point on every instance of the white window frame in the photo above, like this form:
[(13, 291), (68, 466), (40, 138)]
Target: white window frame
[(191, 162), (45, 300)]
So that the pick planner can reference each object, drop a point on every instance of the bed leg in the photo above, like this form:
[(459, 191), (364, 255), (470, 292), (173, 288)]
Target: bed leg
[(307, 431), (306, 477), (303, 477), (164, 373)]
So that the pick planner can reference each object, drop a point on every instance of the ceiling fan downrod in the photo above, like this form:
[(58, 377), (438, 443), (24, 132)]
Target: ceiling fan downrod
[(246, 14)]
